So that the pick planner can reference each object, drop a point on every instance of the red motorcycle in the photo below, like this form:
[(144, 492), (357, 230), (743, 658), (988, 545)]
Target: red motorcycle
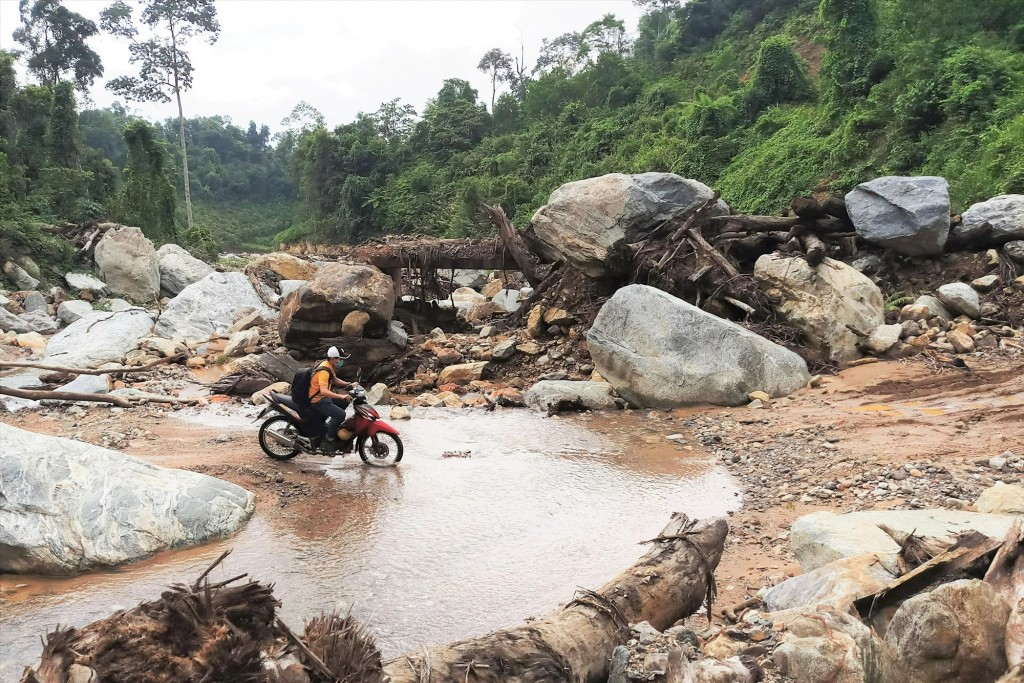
[(293, 429)]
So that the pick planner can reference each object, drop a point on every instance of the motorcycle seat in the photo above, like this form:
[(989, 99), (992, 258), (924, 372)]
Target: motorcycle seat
[(286, 400)]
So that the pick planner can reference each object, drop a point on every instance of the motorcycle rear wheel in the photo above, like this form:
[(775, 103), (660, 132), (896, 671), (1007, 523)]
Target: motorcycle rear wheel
[(278, 451), (386, 452)]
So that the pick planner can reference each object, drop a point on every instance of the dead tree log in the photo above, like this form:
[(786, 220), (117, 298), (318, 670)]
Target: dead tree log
[(814, 250), (573, 645), (538, 293), (730, 224), (513, 242), (1006, 574), (121, 370), (40, 395)]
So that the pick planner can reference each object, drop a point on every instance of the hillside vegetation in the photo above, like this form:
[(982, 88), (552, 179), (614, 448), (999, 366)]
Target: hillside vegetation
[(762, 99)]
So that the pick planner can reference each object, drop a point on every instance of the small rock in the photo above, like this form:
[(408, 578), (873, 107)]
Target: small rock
[(961, 342), (960, 298), (759, 396), (252, 319), (756, 405), (354, 323), (530, 348), (400, 413), (997, 463), (986, 284), (504, 350)]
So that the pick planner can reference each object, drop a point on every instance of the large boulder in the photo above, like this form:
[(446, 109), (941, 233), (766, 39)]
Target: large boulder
[(128, 264), (823, 537), (659, 351), (585, 220), (179, 269), (40, 322), (909, 216), (1001, 499), (318, 309), (98, 337), (953, 634), (69, 506), (209, 307), (591, 395), (823, 302), (1002, 217), (285, 266)]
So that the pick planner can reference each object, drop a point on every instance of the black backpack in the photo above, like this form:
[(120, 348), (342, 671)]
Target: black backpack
[(301, 382)]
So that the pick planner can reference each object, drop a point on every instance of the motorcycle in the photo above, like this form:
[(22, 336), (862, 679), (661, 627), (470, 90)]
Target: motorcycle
[(292, 429)]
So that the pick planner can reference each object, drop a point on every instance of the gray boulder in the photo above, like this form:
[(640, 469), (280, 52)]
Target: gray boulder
[(508, 299), (85, 282), (179, 269), (465, 278), (89, 384), (837, 584), (18, 277), (397, 334), (1004, 215), (593, 395), (1015, 250), (319, 309), (34, 301), (73, 309), (208, 307), (907, 215), (961, 299), (10, 322), (659, 351), (823, 537), (99, 337), (128, 264), (585, 220), (823, 302), (953, 634), (40, 322), (70, 506), (934, 306)]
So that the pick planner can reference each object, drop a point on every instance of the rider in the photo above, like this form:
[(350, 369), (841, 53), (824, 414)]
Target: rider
[(324, 400)]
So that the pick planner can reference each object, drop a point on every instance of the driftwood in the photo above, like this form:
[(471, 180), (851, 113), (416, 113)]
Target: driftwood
[(573, 644), (814, 250), (513, 243), (914, 550), (738, 223), (120, 370), (961, 557), (41, 395)]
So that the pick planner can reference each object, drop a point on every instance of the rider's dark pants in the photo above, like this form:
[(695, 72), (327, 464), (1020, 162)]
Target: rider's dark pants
[(333, 408)]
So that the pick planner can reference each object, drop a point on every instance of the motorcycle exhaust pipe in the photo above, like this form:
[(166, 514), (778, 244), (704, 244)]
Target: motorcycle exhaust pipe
[(281, 439)]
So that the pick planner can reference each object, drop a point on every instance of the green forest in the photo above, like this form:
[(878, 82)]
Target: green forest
[(761, 99)]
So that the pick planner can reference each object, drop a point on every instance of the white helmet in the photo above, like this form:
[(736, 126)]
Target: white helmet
[(334, 352)]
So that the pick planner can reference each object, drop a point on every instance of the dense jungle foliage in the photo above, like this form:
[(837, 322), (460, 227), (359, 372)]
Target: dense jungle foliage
[(762, 99)]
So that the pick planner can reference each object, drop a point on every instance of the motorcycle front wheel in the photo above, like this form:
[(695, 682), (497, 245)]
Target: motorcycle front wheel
[(381, 450), (281, 426)]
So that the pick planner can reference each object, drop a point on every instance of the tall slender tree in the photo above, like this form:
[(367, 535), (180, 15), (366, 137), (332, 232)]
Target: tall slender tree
[(497, 63), (165, 69), (55, 39)]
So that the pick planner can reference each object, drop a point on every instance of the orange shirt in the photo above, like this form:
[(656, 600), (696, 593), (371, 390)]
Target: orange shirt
[(320, 381)]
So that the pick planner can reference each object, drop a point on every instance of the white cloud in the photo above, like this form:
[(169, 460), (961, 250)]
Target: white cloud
[(343, 56)]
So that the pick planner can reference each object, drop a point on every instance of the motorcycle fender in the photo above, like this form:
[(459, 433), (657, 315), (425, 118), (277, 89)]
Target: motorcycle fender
[(266, 411), (381, 426)]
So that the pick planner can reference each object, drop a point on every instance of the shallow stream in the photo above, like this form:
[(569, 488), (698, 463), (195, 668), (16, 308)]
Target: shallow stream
[(437, 549)]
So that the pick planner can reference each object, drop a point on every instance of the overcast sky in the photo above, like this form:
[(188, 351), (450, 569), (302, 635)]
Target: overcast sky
[(342, 56)]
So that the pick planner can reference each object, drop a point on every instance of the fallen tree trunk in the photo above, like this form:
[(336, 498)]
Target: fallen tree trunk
[(121, 370), (513, 243), (574, 644), (41, 395), (731, 224)]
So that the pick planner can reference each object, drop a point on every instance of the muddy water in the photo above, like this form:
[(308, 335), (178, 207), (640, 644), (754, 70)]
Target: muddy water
[(436, 549)]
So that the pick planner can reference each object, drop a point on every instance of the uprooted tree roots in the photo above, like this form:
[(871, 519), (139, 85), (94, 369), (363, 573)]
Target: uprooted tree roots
[(229, 631), (209, 631)]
